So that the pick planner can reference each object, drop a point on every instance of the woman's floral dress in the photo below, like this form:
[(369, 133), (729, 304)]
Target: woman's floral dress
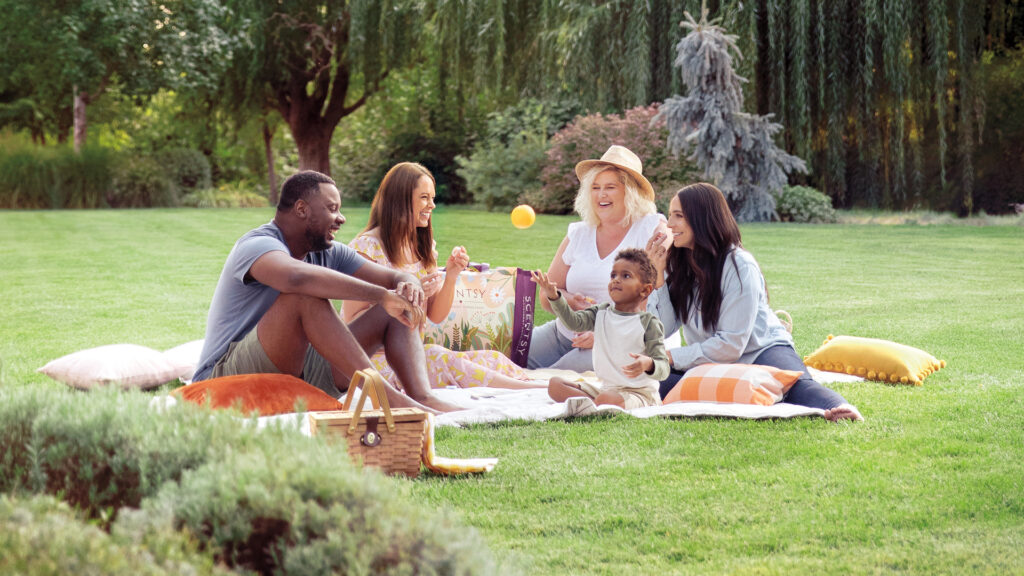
[(445, 367)]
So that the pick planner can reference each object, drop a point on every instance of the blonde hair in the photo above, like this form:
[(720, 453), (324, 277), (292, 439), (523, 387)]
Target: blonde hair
[(636, 205)]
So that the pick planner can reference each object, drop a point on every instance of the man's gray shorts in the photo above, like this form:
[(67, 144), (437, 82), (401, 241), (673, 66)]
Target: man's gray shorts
[(247, 356)]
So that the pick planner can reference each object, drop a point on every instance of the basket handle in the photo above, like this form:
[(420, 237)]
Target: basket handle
[(371, 383)]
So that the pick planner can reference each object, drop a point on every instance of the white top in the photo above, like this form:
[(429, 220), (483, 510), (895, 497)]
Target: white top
[(589, 273)]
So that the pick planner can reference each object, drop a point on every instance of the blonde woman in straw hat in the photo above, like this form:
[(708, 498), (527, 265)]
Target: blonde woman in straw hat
[(616, 204)]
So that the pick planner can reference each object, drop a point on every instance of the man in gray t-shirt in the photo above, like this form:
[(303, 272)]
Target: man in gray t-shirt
[(272, 311)]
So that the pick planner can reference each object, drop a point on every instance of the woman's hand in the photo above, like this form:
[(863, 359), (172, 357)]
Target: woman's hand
[(579, 301), (547, 285), (440, 288), (583, 340), (458, 261), (657, 252), (432, 284), (641, 364)]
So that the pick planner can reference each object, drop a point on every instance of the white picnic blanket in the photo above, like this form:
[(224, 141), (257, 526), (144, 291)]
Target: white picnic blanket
[(488, 405), (494, 405)]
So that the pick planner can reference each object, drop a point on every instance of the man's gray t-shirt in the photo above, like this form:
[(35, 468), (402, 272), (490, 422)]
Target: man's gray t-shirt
[(238, 306)]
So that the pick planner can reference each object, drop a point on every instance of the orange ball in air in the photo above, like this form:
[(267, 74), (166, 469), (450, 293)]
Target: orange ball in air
[(523, 216)]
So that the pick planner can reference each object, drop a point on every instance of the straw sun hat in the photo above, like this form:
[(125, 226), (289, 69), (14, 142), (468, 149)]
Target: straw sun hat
[(622, 158)]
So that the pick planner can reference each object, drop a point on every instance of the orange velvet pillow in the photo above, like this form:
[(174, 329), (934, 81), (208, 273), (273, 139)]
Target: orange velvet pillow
[(266, 394)]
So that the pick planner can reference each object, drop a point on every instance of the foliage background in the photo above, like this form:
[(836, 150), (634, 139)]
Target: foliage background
[(892, 104)]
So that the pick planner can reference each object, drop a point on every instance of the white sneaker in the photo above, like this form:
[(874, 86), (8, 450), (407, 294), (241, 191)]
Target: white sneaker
[(580, 406)]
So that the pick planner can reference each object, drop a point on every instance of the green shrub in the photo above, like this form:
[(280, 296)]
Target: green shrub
[(187, 169), (43, 537), (505, 165), (498, 174), (106, 449), (36, 177), (531, 116), (804, 204), (140, 182), (232, 195), (27, 178), (298, 506), (84, 179)]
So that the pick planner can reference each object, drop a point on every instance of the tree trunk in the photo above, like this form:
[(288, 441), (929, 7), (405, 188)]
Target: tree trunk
[(314, 143), (268, 140), (762, 66), (80, 122)]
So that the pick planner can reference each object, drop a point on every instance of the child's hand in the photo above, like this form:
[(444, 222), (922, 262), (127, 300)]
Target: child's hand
[(546, 285), (640, 365)]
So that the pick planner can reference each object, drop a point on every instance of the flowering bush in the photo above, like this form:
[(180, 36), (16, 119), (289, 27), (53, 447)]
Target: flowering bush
[(804, 204), (590, 136)]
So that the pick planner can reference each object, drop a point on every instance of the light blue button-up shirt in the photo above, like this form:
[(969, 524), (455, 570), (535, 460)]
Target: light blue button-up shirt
[(746, 323)]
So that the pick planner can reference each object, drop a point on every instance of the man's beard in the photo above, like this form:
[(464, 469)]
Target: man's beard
[(317, 242)]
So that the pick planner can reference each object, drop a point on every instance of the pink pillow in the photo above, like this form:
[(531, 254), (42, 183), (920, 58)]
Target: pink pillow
[(733, 383), (127, 365), (186, 356)]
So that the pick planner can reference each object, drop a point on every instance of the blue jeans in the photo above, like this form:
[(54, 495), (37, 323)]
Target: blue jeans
[(549, 349), (805, 392)]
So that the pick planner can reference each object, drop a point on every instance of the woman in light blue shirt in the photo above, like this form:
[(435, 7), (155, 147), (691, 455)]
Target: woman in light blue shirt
[(714, 290)]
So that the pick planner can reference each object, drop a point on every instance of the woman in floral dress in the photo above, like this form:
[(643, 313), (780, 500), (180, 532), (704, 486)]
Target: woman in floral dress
[(399, 235)]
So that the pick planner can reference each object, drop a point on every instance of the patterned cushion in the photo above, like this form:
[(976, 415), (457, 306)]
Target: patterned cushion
[(733, 383)]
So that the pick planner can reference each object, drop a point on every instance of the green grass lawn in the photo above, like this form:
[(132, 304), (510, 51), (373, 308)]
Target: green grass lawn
[(932, 481)]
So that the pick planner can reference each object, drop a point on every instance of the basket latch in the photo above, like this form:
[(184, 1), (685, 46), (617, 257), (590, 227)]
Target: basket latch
[(370, 438)]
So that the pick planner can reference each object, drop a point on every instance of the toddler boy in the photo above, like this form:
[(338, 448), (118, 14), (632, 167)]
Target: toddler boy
[(629, 347)]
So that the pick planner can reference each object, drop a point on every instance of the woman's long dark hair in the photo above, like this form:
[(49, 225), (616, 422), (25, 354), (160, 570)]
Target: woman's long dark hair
[(695, 275), (392, 212)]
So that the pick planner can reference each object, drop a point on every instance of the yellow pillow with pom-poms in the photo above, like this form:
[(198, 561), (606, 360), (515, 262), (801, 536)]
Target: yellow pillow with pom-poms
[(874, 359)]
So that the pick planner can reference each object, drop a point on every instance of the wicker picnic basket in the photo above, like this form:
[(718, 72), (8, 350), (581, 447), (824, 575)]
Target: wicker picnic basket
[(394, 445)]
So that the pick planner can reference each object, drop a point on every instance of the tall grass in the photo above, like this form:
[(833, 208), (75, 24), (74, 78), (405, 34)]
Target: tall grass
[(54, 177)]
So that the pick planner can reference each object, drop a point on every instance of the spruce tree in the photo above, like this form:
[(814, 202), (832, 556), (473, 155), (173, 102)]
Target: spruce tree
[(735, 149)]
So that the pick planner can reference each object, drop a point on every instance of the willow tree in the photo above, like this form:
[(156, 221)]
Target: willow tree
[(316, 62), (735, 149), (883, 97)]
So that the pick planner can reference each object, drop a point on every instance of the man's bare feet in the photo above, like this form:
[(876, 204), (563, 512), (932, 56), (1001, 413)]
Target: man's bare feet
[(843, 412), (436, 403)]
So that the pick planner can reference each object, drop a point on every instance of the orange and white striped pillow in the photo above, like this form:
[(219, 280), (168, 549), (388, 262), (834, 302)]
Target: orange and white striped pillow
[(733, 383)]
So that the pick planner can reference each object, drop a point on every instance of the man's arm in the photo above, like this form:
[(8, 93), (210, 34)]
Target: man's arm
[(370, 283), (389, 278), (287, 275)]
